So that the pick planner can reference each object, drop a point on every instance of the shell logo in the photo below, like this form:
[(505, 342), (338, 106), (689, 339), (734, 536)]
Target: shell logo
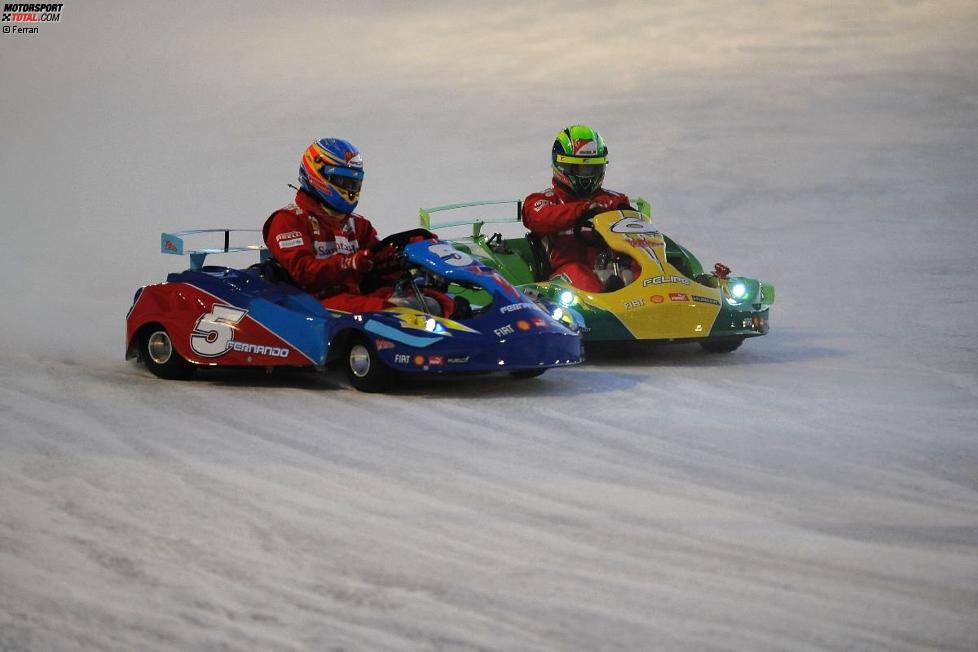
[(523, 325)]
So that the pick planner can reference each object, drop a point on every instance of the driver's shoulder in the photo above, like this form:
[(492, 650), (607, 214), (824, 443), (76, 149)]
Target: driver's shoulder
[(613, 194), (287, 218), (359, 222), (547, 194), (545, 199)]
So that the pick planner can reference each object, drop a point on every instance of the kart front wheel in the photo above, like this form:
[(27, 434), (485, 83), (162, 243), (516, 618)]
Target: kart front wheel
[(159, 355), (526, 373), (723, 346), (364, 368)]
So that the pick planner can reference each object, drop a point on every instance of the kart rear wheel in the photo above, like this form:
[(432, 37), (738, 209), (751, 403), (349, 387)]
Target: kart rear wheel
[(160, 356), (526, 373), (364, 368), (723, 346)]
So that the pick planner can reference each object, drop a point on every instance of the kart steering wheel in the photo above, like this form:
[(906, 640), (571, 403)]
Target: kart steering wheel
[(375, 277), (399, 240), (590, 238)]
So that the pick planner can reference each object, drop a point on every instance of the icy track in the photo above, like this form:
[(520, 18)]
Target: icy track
[(815, 490)]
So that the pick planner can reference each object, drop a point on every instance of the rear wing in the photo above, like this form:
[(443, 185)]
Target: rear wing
[(642, 204), (425, 215), (172, 243)]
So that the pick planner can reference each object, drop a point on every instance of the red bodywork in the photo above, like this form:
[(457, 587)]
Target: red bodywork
[(206, 330)]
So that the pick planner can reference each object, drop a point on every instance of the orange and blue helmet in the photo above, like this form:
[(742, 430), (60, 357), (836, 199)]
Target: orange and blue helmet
[(332, 171)]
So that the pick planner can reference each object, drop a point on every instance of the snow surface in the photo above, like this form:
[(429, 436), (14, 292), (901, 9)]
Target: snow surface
[(814, 490)]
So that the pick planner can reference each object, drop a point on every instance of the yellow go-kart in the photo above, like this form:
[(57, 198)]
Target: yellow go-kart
[(654, 289)]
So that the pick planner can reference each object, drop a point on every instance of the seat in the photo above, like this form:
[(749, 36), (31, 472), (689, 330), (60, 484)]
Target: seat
[(540, 247), (271, 271)]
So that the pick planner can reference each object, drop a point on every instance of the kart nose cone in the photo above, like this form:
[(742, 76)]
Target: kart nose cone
[(540, 348)]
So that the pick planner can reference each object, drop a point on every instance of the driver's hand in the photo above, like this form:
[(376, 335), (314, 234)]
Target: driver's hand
[(360, 261), (384, 255), (588, 211)]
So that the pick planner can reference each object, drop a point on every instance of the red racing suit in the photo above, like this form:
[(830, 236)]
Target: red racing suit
[(553, 213), (317, 250)]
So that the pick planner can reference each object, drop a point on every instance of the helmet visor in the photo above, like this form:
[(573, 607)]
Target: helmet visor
[(582, 170), (350, 184)]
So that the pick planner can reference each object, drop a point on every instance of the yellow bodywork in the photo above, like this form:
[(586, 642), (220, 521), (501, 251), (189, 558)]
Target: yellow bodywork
[(661, 303), (417, 320)]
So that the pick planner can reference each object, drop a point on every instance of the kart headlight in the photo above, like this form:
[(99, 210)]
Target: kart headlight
[(566, 298), (432, 326), (570, 319), (736, 292)]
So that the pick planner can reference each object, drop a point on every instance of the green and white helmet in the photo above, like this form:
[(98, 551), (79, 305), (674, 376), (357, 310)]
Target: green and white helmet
[(579, 159)]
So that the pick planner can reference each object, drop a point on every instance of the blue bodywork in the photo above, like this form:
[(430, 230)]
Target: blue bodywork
[(513, 333)]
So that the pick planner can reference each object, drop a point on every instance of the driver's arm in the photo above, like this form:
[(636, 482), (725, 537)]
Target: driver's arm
[(543, 215), (365, 232), (290, 241)]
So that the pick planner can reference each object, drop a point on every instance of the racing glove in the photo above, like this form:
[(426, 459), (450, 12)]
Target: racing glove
[(388, 260), (360, 261), (384, 256)]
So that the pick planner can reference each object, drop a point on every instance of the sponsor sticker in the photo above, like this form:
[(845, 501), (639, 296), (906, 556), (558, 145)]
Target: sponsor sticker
[(383, 344), (523, 325), (539, 322), (504, 330), (436, 360), (462, 359), (634, 303), (656, 298), (585, 148), (678, 296), (633, 225), (659, 280), (289, 235), (259, 349), (419, 360), (710, 300), (513, 307), (402, 358)]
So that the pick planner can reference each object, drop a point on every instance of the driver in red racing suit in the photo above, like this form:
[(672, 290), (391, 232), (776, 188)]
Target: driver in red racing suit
[(322, 244), (579, 158)]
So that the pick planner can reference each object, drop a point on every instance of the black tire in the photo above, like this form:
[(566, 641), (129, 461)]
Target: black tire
[(527, 373), (157, 352), (723, 346), (364, 368)]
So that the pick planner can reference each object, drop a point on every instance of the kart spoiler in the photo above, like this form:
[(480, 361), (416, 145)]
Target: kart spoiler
[(425, 214), (172, 243)]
